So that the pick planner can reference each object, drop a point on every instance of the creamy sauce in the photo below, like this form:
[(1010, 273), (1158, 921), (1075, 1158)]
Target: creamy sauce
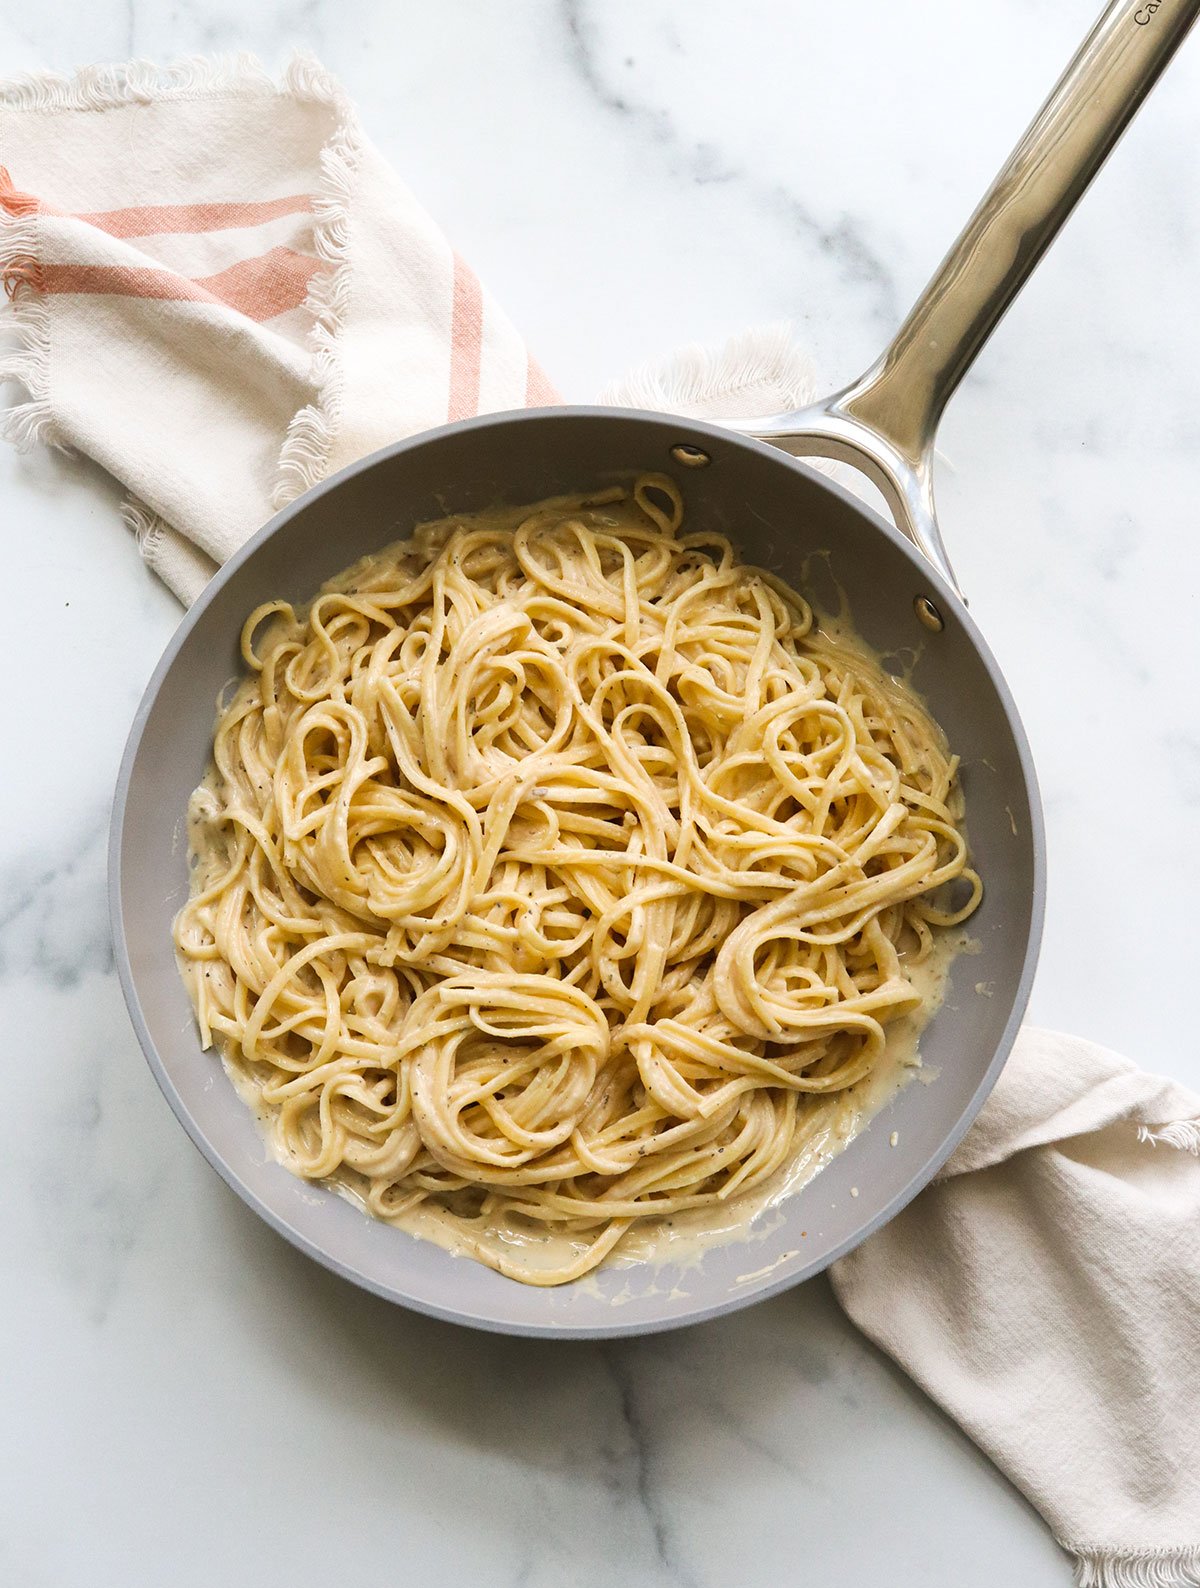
[(682, 1239)]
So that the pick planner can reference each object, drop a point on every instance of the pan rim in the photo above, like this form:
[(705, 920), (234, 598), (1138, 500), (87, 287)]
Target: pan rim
[(776, 1283)]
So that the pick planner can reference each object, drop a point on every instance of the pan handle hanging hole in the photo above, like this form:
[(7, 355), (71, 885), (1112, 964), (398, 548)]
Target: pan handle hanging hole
[(690, 457), (928, 614)]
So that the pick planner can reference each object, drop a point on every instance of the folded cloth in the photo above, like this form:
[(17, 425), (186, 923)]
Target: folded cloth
[(207, 266), (1045, 1290)]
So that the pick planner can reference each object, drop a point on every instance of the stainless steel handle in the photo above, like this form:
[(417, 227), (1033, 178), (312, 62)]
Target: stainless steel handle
[(885, 422)]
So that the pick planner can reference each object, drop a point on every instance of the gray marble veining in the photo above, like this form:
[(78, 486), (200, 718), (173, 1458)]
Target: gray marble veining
[(53, 916)]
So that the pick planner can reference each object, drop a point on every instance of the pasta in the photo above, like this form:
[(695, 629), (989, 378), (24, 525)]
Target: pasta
[(553, 865)]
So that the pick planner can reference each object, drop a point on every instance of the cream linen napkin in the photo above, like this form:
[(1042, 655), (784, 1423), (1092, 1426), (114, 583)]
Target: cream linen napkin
[(221, 294), (1045, 1290)]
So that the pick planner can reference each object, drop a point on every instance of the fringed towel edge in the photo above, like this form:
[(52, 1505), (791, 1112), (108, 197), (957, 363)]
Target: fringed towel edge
[(1183, 1134), (26, 361), (1159, 1568), (697, 377), (308, 444), (137, 82)]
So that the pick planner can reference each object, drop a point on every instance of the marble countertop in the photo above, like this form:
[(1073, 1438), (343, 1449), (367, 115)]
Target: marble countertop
[(189, 1401)]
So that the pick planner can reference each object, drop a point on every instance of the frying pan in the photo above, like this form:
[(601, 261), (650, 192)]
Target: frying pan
[(906, 602)]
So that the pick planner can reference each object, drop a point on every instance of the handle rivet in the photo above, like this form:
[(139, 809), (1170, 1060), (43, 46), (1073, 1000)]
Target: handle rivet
[(690, 457), (928, 614)]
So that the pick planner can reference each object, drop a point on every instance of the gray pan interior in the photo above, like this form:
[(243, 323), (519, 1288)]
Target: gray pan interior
[(779, 513)]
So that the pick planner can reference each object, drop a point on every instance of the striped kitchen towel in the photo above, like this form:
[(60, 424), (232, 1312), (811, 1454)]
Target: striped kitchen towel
[(222, 293)]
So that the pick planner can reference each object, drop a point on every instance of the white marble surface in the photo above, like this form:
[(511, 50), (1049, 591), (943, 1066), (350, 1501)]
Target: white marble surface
[(187, 1401)]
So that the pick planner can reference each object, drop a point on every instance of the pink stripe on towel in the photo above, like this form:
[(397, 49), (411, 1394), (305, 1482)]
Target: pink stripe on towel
[(466, 339), (258, 288), (145, 220)]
